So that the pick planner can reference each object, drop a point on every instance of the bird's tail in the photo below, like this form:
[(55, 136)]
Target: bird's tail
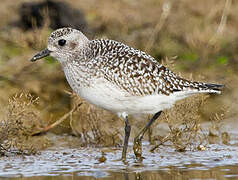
[(208, 87), (192, 87)]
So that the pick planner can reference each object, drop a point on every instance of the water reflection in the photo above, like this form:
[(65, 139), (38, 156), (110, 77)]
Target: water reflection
[(218, 161), (172, 173)]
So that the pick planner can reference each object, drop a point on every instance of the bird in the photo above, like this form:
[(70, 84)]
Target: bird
[(119, 78)]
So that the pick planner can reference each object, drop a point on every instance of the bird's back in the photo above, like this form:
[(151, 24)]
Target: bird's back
[(119, 78), (139, 73)]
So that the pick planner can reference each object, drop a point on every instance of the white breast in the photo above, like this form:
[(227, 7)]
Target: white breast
[(104, 95), (109, 96)]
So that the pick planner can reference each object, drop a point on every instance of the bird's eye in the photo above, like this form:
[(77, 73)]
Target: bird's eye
[(62, 42)]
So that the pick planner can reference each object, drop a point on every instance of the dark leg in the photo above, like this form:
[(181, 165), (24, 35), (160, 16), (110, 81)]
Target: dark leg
[(126, 139), (137, 141)]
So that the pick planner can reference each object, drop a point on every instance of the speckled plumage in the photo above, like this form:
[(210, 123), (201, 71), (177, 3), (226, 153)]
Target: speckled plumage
[(120, 78), (135, 71), (56, 34), (131, 70)]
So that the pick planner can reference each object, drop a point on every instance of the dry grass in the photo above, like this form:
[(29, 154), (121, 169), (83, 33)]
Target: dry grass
[(184, 29), (96, 126), (185, 132), (216, 131), (22, 119)]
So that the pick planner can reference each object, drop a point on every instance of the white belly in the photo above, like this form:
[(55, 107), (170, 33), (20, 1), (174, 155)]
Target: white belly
[(110, 97)]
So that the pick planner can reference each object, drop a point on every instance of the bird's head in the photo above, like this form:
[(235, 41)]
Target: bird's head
[(62, 44)]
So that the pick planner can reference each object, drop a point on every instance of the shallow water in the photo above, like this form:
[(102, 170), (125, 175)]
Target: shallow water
[(218, 161)]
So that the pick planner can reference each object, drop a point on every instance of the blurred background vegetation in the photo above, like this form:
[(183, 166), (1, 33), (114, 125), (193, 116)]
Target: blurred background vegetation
[(201, 38)]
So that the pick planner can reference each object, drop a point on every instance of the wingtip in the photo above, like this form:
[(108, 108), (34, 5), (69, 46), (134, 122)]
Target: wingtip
[(217, 87)]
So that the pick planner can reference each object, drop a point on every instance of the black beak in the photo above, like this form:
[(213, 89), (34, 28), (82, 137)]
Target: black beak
[(43, 53)]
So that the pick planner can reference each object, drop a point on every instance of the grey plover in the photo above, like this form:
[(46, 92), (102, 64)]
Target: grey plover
[(119, 78)]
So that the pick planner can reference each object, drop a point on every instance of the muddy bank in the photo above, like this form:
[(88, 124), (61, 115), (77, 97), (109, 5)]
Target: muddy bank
[(66, 158), (85, 162)]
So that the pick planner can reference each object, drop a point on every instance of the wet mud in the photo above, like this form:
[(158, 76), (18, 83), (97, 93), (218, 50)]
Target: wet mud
[(65, 159)]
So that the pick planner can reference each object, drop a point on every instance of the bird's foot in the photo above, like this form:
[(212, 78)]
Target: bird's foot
[(123, 157), (124, 160), (137, 147)]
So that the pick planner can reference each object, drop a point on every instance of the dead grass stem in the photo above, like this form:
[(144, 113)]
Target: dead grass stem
[(22, 119)]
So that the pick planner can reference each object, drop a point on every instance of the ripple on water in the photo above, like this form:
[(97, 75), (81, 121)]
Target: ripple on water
[(85, 161)]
